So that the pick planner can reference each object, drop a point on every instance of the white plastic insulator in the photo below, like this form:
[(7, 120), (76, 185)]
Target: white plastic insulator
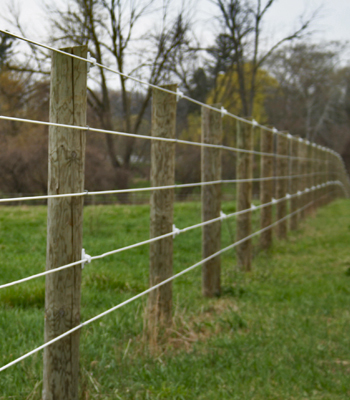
[(223, 111), (222, 215), (273, 201), (92, 62), (288, 196), (85, 257), (176, 231), (253, 207), (179, 95)]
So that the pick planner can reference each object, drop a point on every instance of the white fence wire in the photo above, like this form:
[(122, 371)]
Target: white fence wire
[(147, 291), (87, 259)]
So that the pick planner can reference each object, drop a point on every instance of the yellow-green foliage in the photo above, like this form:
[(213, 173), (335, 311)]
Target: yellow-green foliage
[(193, 131), (227, 93)]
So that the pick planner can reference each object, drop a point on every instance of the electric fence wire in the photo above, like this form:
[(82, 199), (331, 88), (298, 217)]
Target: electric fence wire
[(178, 93), (153, 188), (173, 233), (124, 303), (157, 138)]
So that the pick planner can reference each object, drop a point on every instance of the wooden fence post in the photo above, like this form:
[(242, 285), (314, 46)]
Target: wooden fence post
[(303, 178), (64, 224), (266, 186), (244, 195), (325, 176), (309, 176), (162, 204), (328, 176), (282, 184), (313, 176), (319, 177), (294, 172), (211, 200)]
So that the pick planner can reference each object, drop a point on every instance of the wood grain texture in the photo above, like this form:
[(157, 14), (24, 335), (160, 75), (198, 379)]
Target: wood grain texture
[(281, 187), (211, 201), (294, 172), (161, 218), (64, 224), (244, 170), (266, 187)]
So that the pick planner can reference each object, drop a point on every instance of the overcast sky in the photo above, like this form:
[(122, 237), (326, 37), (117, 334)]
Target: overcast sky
[(332, 22)]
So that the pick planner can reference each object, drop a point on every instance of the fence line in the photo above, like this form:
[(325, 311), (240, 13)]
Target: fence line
[(147, 137), (149, 189), (124, 303), (174, 232), (177, 93), (316, 171)]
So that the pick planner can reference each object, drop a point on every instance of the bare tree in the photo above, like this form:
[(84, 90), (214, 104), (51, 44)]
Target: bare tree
[(240, 42), (311, 98), (111, 29)]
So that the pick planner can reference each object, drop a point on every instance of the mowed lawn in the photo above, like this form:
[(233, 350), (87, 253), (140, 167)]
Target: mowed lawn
[(280, 332)]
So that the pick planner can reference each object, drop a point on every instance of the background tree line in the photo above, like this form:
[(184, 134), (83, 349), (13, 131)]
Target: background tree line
[(295, 84)]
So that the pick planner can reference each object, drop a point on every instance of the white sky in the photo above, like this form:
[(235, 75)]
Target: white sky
[(332, 22)]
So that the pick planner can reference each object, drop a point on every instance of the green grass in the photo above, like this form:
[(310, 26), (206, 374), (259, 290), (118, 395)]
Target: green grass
[(280, 332)]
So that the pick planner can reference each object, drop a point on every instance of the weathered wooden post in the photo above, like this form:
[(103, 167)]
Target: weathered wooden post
[(294, 172), (325, 176), (309, 177), (282, 185), (64, 224), (313, 176), (211, 200), (319, 177), (162, 203), (303, 178), (266, 186), (244, 195), (328, 168)]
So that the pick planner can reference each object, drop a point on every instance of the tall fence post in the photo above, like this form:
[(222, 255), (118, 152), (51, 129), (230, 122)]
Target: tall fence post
[(64, 224), (211, 200), (319, 176), (303, 178), (325, 176), (313, 175), (266, 186), (309, 176), (282, 184), (330, 189), (294, 172), (162, 204), (244, 195)]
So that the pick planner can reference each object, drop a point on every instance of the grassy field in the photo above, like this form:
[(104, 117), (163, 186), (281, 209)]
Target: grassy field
[(280, 332)]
